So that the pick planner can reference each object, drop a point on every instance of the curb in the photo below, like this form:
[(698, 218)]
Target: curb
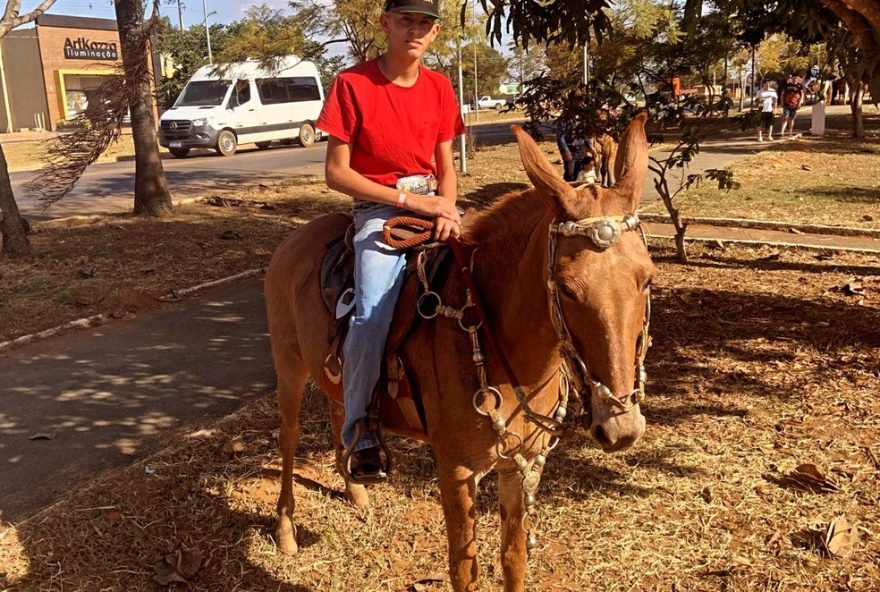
[(98, 319)]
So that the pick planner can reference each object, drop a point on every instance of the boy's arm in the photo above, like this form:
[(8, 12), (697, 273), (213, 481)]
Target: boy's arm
[(447, 188)]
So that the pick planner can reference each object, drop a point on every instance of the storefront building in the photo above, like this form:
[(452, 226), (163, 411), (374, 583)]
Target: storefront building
[(50, 73)]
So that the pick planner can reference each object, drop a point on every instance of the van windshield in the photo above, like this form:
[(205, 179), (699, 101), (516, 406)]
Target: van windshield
[(203, 93)]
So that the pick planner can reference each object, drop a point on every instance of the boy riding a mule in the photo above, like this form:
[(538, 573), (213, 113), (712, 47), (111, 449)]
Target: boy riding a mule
[(391, 123)]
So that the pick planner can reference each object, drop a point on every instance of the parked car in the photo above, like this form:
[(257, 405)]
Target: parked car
[(487, 102), (223, 107)]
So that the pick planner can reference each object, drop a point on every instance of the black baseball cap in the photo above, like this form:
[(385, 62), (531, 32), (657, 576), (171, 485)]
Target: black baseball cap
[(429, 7)]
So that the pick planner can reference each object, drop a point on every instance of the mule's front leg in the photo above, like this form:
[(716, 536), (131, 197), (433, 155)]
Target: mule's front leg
[(458, 491), (513, 535), (356, 494)]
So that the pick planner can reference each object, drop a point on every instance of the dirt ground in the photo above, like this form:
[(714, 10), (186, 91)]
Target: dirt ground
[(762, 362)]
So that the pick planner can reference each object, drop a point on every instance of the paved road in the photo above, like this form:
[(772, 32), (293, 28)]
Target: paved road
[(103, 394), (107, 188)]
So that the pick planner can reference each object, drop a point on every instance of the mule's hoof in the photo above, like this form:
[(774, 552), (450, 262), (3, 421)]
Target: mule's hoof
[(357, 495), (286, 543)]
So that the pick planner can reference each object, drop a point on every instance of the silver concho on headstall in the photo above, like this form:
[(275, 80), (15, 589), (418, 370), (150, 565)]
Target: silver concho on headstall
[(604, 233)]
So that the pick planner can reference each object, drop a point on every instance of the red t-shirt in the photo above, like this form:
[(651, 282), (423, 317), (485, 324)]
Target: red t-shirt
[(393, 131)]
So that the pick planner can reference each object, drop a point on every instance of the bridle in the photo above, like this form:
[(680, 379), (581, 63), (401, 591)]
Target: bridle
[(604, 232)]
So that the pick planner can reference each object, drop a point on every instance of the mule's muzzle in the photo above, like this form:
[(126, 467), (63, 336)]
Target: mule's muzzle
[(619, 432)]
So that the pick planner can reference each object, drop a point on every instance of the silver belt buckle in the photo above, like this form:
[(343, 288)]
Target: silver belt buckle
[(419, 184)]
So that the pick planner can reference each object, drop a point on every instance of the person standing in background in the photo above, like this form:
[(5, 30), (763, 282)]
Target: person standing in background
[(768, 98)]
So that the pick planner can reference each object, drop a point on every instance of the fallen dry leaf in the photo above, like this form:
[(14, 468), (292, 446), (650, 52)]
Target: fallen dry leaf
[(179, 566), (235, 446), (426, 582), (841, 537), (808, 476), (853, 288), (42, 436)]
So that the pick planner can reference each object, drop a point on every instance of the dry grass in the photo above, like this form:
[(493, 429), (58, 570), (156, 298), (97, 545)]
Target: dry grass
[(758, 365), (761, 362), (813, 180)]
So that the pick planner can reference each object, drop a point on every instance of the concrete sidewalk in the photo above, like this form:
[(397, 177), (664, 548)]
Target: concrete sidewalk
[(103, 395)]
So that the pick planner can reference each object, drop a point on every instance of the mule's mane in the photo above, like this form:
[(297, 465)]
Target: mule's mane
[(512, 214), (501, 234)]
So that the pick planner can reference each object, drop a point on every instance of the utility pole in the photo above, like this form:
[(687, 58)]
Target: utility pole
[(586, 63), (180, 13), (462, 140), (207, 31), (474, 42), (754, 80)]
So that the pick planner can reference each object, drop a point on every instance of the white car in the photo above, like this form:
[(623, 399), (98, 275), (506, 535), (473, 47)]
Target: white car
[(487, 102)]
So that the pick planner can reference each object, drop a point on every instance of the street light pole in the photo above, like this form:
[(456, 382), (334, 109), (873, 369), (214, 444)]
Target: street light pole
[(180, 13), (207, 31), (462, 139)]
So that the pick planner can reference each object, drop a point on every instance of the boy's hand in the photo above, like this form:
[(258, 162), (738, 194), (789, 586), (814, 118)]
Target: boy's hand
[(433, 207), (444, 228)]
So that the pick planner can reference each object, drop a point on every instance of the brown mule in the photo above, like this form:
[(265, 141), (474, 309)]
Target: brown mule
[(527, 275)]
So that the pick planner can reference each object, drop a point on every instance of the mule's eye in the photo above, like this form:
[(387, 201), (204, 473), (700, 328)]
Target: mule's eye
[(567, 292)]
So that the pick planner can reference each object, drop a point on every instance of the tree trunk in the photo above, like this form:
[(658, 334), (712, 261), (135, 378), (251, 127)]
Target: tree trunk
[(14, 227), (151, 196), (856, 109)]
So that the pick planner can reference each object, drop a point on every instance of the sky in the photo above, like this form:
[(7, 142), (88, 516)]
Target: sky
[(225, 11), (193, 13)]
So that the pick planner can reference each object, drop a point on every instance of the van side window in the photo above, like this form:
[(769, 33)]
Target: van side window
[(303, 88), (243, 91), (288, 90)]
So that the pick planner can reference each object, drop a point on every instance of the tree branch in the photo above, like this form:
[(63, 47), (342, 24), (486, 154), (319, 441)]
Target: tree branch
[(11, 18), (855, 22)]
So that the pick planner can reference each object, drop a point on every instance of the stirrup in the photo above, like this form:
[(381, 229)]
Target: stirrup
[(343, 466)]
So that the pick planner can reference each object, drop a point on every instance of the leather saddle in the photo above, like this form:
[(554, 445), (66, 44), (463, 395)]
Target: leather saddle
[(396, 401)]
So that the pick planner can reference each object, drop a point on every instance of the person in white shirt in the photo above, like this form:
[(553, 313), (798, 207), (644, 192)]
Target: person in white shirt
[(768, 99)]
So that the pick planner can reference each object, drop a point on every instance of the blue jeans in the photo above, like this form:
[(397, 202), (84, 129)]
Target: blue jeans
[(378, 278)]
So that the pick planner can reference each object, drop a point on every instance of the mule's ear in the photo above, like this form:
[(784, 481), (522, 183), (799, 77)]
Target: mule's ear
[(545, 177), (631, 165)]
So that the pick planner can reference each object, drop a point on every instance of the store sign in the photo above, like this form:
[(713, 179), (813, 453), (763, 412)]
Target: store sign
[(83, 49)]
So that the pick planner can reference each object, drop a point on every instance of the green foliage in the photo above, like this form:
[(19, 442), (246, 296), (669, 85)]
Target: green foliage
[(491, 69), (573, 22), (724, 178), (188, 51), (265, 34)]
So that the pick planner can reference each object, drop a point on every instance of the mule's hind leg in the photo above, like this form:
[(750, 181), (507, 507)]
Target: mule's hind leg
[(291, 382), (356, 494), (513, 537)]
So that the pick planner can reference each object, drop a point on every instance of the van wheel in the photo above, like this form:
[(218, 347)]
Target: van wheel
[(226, 143), (306, 135), (179, 152), (499, 107), (263, 145)]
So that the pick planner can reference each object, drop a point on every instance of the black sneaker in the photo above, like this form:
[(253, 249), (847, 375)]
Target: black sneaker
[(366, 466)]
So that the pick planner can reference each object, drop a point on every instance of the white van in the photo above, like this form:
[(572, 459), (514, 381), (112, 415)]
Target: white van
[(224, 106)]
